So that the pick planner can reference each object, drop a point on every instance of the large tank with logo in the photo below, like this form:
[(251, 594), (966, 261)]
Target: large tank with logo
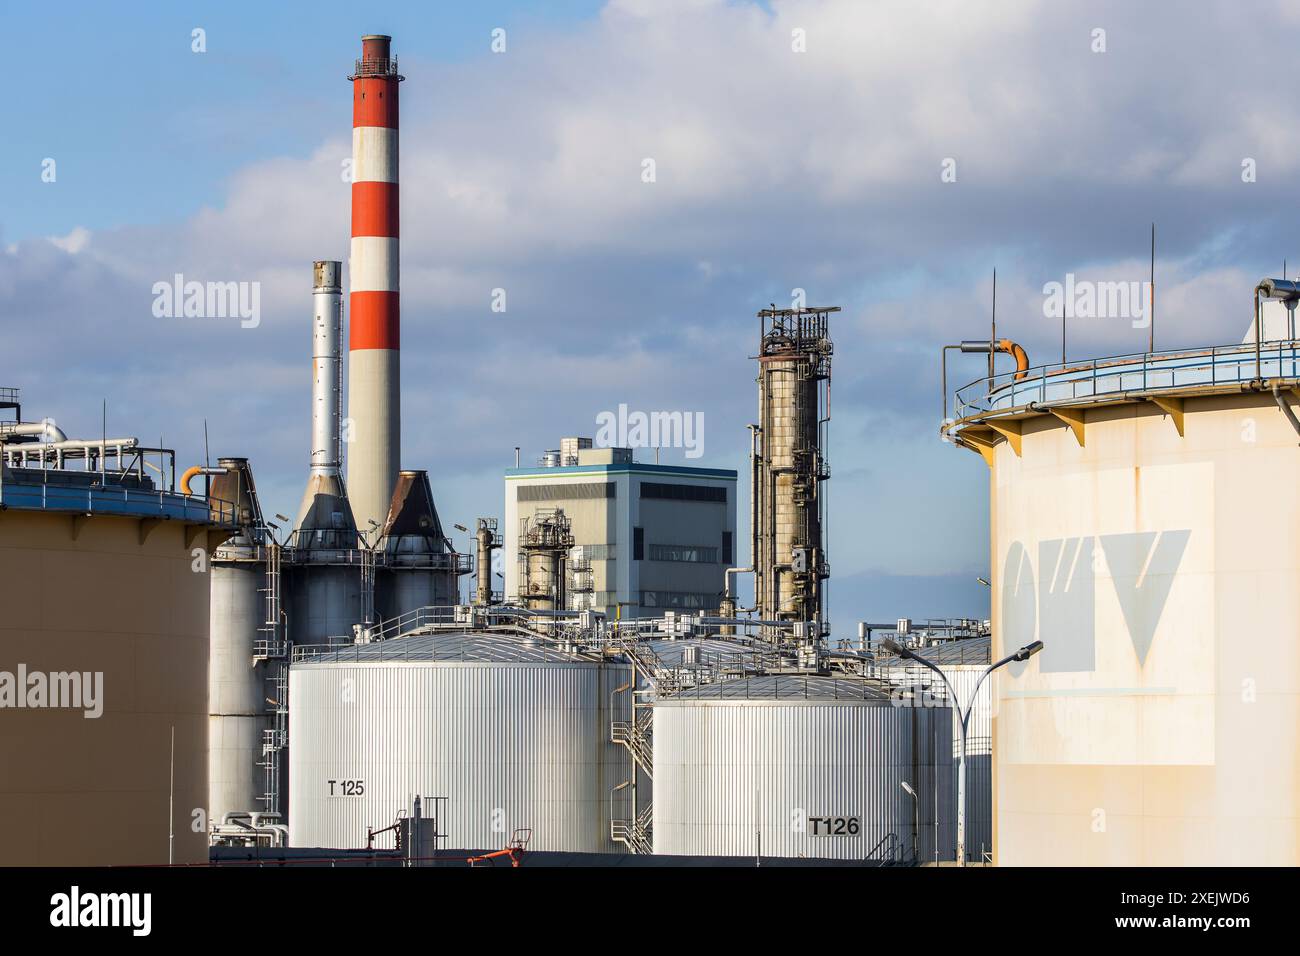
[(1144, 524)]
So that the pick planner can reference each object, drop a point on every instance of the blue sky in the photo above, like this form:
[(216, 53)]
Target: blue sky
[(777, 169), (149, 131)]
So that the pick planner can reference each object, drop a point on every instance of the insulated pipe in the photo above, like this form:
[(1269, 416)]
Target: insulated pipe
[(72, 444), (46, 430), (192, 473), (1007, 347), (374, 387)]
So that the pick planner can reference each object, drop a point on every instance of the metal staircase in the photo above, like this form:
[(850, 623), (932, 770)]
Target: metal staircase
[(633, 831), (272, 652)]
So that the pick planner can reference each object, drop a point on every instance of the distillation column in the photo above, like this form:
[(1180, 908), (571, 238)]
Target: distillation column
[(794, 368)]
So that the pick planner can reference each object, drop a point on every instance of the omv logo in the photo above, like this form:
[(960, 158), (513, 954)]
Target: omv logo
[(1054, 598)]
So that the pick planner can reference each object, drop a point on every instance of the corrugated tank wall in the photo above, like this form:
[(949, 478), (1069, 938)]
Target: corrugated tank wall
[(510, 746), (736, 777)]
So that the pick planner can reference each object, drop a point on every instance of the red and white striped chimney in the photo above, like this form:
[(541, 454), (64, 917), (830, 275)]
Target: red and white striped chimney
[(374, 374)]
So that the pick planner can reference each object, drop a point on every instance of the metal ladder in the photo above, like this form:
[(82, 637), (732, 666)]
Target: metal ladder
[(272, 650)]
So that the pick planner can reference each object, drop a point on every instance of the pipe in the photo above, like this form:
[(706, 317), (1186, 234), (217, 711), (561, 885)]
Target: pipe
[(1007, 347), (192, 473), (1020, 355), (1286, 409), (49, 432)]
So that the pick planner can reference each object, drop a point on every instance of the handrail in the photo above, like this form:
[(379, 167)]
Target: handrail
[(121, 501), (1062, 383)]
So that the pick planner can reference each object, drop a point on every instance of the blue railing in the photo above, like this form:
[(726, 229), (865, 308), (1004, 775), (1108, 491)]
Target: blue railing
[(130, 502), (1063, 383)]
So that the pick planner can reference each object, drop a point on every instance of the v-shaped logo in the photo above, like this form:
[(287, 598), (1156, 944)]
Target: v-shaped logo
[(1143, 566)]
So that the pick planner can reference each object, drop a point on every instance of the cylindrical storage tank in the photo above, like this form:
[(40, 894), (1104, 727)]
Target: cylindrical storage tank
[(1147, 534), (515, 735), (793, 766), (237, 708), (104, 638)]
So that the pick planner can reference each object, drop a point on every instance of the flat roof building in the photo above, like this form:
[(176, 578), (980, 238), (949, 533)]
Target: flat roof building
[(646, 538)]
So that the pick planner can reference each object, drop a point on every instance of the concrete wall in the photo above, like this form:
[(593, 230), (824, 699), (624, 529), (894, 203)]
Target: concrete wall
[(1160, 724), (77, 791)]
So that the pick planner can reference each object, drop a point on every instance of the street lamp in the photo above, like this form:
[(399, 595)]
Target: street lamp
[(1026, 652), (916, 819)]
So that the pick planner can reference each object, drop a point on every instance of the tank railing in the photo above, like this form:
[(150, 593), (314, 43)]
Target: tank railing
[(444, 561), (121, 501), (1063, 382)]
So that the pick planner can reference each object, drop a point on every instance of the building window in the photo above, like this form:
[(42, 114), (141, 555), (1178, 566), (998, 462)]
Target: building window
[(638, 544), (574, 491), (683, 552), (727, 556), (681, 600), (673, 492)]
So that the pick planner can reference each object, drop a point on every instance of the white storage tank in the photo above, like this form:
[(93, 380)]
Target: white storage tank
[(514, 733), (801, 766)]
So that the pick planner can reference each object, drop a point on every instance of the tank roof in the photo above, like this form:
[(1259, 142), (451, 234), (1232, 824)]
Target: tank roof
[(784, 688), (110, 493), (969, 650), (469, 647)]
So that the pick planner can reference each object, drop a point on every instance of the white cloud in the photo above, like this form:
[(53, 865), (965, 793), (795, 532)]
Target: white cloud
[(775, 169)]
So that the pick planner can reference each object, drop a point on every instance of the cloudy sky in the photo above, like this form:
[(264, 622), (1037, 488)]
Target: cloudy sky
[(797, 145)]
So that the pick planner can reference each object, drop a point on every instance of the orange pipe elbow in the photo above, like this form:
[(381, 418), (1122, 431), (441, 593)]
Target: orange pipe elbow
[(1018, 353)]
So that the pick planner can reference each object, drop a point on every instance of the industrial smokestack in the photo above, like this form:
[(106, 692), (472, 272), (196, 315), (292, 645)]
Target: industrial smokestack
[(374, 377), (324, 518), (327, 367)]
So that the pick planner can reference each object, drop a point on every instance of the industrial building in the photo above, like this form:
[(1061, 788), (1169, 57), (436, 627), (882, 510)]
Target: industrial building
[(1158, 727), (103, 648), (645, 538)]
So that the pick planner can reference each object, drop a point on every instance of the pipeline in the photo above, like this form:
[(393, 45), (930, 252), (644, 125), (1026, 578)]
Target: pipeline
[(1286, 409), (1005, 346), (47, 431), (1019, 354), (192, 473)]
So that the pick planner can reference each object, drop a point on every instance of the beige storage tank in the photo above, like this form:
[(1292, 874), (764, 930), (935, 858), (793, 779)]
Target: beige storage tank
[(1144, 524), (103, 654)]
